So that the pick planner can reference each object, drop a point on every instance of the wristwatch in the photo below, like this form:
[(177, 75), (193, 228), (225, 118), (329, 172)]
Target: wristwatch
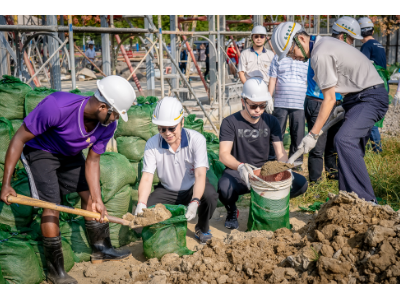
[(315, 136)]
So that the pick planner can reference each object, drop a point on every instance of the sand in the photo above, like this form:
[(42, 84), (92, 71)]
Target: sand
[(274, 167), (149, 216)]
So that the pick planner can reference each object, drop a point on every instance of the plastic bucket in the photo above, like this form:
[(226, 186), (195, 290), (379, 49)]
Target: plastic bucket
[(269, 204)]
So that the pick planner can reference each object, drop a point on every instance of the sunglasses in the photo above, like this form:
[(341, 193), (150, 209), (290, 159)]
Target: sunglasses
[(254, 106), (170, 129), (259, 36)]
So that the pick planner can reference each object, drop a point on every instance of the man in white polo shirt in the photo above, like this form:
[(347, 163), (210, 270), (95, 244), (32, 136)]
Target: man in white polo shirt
[(180, 157), (256, 58)]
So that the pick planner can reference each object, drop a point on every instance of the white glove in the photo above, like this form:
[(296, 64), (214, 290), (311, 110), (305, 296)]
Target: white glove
[(396, 99), (139, 208), (192, 210), (337, 110), (308, 143), (270, 107), (244, 174)]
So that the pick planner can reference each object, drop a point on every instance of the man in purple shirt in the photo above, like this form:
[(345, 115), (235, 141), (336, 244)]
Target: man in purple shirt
[(54, 135)]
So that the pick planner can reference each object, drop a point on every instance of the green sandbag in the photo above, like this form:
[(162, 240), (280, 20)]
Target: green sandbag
[(118, 205), (12, 95), (212, 142), (212, 178), (69, 260), (156, 179), (385, 75), (2, 280), (19, 262), (75, 234), (168, 236), (1, 172), (217, 166), (17, 215), (115, 173), (33, 98), (73, 200), (134, 197), (7, 131), (139, 120), (131, 147), (135, 167), (191, 123), (121, 235), (78, 92)]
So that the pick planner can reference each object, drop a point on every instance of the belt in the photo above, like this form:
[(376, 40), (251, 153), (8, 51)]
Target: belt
[(338, 102), (378, 86)]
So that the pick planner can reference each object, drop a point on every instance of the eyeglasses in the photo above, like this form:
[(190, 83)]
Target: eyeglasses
[(259, 36), (254, 106), (170, 129)]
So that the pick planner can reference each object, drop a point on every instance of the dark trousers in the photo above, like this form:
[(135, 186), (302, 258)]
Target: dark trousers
[(362, 111), (375, 138), (325, 145), (296, 126), (231, 186), (208, 202), (207, 68)]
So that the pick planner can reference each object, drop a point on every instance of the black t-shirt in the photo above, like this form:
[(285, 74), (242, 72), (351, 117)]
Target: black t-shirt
[(250, 141), (207, 54), (374, 51)]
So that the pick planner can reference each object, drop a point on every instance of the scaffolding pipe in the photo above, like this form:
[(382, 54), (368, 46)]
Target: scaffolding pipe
[(190, 89), (144, 57), (128, 62), (161, 56), (219, 72), (190, 19), (93, 64), (194, 61)]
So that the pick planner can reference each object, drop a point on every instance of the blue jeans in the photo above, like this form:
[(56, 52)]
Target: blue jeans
[(362, 111), (375, 138)]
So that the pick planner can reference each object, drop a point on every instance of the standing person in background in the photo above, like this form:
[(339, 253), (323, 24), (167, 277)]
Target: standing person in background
[(288, 78), (256, 58), (183, 59), (233, 59), (375, 52), (91, 54), (207, 52)]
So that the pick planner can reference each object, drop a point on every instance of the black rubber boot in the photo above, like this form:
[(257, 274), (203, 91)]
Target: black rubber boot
[(99, 239), (55, 261)]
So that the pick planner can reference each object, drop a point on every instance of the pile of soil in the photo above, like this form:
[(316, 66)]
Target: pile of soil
[(149, 216), (274, 167), (391, 125), (348, 241)]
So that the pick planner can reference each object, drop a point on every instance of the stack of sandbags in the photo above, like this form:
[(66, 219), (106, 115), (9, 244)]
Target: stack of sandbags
[(131, 136), (34, 97)]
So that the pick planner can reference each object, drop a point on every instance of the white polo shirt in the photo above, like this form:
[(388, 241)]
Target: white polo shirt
[(251, 61), (176, 169)]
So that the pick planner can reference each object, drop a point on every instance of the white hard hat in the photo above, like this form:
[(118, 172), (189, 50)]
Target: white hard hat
[(168, 112), (117, 93), (348, 25), (259, 30), (282, 38), (365, 22), (90, 43), (256, 90)]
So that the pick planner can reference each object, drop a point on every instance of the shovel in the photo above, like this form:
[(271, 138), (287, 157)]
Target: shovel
[(20, 199)]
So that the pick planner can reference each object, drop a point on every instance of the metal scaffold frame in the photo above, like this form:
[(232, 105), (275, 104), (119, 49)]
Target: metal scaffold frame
[(25, 42)]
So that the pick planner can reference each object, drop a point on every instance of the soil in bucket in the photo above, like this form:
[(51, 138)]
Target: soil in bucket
[(274, 167), (269, 204)]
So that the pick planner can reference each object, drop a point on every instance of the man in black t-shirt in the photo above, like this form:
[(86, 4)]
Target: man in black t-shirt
[(245, 137)]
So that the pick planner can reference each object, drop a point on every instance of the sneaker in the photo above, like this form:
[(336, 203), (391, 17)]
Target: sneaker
[(231, 221), (203, 237)]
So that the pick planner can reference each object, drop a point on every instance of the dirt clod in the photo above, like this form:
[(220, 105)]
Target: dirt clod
[(274, 167), (149, 216)]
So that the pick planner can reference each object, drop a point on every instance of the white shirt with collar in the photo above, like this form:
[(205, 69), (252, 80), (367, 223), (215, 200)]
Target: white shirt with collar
[(176, 169), (91, 53), (251, 61)]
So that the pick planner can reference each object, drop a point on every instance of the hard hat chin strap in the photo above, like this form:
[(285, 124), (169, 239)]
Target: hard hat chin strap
[(345, 37), (301, 48), (109, 112), (253, 117)]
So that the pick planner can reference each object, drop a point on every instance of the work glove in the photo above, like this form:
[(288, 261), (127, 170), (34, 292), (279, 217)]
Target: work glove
[(337, 110), (308, 143), (270, 107), (192, 210), (244, 174), (139, 208), (396, 99)]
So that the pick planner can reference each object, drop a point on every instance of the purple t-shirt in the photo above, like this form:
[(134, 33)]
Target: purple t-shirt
[(58, 126)]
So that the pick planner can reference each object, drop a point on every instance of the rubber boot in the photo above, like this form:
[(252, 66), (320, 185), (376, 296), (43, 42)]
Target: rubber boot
[(99, 239), (55, 261)]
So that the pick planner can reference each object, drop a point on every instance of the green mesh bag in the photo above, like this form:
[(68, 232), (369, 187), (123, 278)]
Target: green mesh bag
[(212, 142), (78, 92), (73, 200), (12, 95), (115, 173), (168, 236), (134, 197), (69, 260), (385, 75), (2, 280), (1, 172), (191, 123), (75, 234), (33, 98), (17, 215), (135, 167), (18, 260), (139, 120), (268, 214), (217, 166), (131, 147), (122, 235), (7, 131)]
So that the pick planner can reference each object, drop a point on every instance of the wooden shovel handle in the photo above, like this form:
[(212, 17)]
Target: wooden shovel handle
[(20, 199)]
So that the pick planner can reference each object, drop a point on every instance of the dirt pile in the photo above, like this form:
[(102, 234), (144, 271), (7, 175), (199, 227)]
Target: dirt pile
[(391, 125), (149, 216), (274, 167), (348, 241)]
